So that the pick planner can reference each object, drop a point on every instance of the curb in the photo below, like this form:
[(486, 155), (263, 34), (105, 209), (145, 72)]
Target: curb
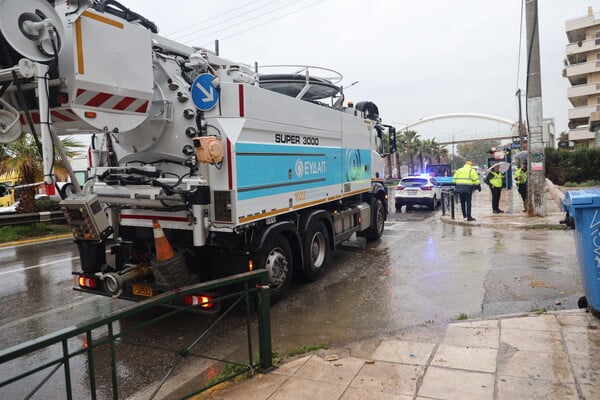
[(37, 240), (541, 223)]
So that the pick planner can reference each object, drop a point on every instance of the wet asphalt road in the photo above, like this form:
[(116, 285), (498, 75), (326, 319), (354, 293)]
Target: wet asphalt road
[(423, 272)]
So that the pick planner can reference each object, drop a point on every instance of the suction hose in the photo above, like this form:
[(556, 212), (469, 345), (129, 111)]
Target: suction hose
[(115, 281)]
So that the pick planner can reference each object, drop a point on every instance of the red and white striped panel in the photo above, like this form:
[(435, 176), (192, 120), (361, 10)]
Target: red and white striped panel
[(110, 101), (143, 218), (57, 115)]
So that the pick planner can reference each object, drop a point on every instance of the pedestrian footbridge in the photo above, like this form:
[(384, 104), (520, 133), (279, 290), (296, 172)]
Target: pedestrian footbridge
[(464, 127)]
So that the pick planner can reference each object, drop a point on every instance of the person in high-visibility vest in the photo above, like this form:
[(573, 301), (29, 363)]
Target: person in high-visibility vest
[(466, 180), (495, 180), (521, 179)]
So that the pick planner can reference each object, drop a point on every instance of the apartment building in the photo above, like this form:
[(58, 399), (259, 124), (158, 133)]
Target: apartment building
[(583, 71)]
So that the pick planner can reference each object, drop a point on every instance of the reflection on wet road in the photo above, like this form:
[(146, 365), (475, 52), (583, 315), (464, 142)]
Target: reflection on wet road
[(426, 272)]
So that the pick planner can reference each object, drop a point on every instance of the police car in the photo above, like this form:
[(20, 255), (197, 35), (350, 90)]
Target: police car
[(418, 190)]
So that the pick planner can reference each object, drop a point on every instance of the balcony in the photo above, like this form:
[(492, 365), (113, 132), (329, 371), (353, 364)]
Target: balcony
[(582, 112), (581, 69), (583, 47), (581, 134), (576, 27), (589, 89)]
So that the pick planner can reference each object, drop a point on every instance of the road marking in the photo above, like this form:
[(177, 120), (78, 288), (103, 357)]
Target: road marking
[(25, 242), (38, 265)]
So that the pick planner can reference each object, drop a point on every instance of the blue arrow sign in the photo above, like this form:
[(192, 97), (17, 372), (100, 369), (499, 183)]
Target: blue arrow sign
[(204, 94)]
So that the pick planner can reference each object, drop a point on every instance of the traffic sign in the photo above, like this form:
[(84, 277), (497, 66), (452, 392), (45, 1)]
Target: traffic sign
[(204, 94)]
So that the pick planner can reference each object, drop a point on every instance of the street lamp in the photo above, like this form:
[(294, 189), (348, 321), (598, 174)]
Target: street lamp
[(453, 166), (350, 85), (340, 101)]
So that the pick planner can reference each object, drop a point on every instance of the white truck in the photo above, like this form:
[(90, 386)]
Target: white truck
[(238, 168)]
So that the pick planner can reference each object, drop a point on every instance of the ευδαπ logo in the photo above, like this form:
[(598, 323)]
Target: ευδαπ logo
[(299, 168)]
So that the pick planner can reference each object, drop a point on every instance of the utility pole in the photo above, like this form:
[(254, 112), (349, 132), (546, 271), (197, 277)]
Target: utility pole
[(521, 126), (536, 196)]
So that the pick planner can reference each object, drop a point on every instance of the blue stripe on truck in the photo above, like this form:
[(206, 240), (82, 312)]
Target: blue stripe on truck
[(266, 169)]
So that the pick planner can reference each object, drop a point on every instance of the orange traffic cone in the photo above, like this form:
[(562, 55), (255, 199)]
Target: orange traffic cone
[(164, 251)]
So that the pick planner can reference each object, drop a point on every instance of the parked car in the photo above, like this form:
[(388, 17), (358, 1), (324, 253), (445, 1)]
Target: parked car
[(418, 190), (9, 209), (13, 207)]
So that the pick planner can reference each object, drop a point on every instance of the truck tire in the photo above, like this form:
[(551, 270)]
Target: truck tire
[(376, 229), (316, 250), (277, 260)]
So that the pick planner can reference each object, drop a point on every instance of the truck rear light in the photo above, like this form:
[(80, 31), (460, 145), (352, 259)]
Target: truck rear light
[(61, 98), (203, 301), (84, 281)]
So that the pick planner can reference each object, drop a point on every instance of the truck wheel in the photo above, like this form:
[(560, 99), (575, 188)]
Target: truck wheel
[(316, 249), (377, 223), (278, 263)]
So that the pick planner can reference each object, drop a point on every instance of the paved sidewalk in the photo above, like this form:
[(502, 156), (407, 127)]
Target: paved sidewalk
[(512, 205), (547, 356)]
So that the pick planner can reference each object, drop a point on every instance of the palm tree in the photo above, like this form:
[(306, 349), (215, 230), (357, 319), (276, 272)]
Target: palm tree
[(22, 157), (441, 153), (399, 151), (426, 152), (411, 144), (434, 151)]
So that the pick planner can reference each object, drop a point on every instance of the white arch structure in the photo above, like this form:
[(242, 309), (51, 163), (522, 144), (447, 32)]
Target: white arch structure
[(512, 124)]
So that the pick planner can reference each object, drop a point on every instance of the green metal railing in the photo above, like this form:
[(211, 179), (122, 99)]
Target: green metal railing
[(255, 284), (448, 201)]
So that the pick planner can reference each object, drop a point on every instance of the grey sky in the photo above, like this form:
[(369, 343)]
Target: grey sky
[(413, 59)]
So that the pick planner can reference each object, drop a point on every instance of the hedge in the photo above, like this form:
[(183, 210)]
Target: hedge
[(576, 166)]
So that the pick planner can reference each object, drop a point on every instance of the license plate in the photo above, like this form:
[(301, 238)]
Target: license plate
[(412, 192), (142, 290)]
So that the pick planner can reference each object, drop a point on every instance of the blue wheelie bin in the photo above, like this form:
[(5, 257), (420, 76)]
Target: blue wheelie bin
[(583, 215)]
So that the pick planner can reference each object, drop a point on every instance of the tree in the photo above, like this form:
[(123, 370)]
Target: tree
[(410, 143), (399, 151), (440, 153), (425, 153), (22, 157), (433, 150), (476, 151)]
